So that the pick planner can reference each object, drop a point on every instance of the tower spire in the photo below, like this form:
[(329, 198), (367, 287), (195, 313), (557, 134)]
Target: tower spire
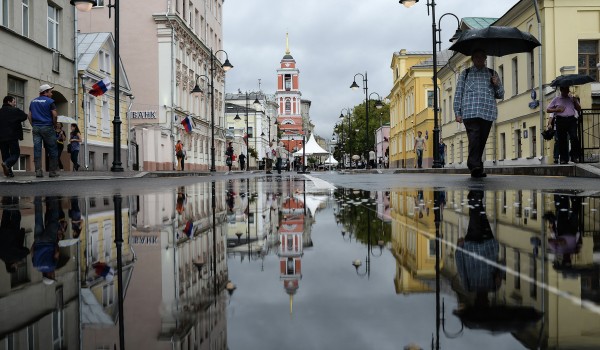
[(287, 44)]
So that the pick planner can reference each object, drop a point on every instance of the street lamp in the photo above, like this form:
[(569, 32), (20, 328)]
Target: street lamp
[(434, 31), (237, 117), (85, 6), (378, 105), (226, 66), (348, 113)]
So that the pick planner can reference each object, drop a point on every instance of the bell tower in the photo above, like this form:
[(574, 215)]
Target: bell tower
[(288, 97)]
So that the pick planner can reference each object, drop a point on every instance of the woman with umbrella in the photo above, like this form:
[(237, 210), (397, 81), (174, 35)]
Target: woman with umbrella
[(566, 108)]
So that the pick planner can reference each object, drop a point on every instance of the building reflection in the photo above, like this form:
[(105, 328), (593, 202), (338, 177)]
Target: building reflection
[(547, 261)]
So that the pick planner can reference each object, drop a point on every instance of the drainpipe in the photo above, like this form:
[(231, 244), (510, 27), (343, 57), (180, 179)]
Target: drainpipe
[(540, 80), (75, 68), (85, 126), (172, 119)]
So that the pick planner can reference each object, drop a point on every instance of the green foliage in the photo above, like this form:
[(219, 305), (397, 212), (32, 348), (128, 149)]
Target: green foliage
[(252, 152), (353, 141)]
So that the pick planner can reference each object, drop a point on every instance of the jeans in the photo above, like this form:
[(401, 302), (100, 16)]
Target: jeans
[(278, 165), (269, 164), (419, 158), (566, 129), (478, 131), (75, 159), (47, 135), (10, 152)]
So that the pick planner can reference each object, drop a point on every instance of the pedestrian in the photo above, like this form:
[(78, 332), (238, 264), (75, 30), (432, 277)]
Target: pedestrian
[(242, 161), (42, 117), (442, 152), (372, 157), (44, 251), (419, 147), (477, 89), (279, 154), (61, 137), (75, 145), (229, 154), (180, 155), (11, 132), (385, 162), (269, 155), (566, 108), (75, 216), (12, 235)]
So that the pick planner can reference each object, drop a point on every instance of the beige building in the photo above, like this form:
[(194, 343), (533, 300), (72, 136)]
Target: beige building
[(95, 62), (570, 41), (37, 40), (411, 107), (168, 46)]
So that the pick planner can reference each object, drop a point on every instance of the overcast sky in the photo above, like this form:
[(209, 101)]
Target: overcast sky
[(331, 40)]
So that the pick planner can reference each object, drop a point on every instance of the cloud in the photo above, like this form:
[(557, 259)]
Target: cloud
[(331, 41)]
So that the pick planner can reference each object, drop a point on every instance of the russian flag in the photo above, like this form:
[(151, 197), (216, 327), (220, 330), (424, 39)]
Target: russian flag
[(187, 124), (101, 87), (245, 138), (188, 229)]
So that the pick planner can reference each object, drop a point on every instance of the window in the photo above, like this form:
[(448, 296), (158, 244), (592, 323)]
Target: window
[(502, 146), (4, 12), (429, 99), (530, 71), (532, 141), (105, 119), (108, 294), (25, 7), (515, 76), (99, 3), (197, 22), (501, 73), (107, 237), (190, 13), (92, 122), (517, 267), (288, 82), (104, 61), (250, 132), (16, 89), (588, 58), (53, 27), (288, 106)]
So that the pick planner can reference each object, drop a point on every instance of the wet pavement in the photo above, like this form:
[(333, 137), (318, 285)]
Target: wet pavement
[(303, 262)]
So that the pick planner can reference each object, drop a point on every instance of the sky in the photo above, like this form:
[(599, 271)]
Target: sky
[(331, 41)]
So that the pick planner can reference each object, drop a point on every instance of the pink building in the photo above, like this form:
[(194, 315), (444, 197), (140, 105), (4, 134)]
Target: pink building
[(382, 141)]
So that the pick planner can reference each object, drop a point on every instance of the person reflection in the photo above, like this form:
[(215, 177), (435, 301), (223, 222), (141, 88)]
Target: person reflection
[(181, 199), (12, 235), (564, 229), (75, 216), (476, 259), (45, 251)]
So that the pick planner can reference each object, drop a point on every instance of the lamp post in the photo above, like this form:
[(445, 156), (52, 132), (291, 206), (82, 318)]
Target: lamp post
[(434, 31), (85, 6), (349, 112), (226, 66), (355, 86), (237, 117)]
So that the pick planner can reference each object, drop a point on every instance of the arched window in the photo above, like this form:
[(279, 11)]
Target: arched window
[(288, 106)]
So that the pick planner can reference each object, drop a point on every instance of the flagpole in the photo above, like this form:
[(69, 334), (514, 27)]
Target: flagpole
[(85, 126)]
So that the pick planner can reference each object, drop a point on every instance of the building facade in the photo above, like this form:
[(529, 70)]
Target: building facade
[(37, 39), (178, 40)]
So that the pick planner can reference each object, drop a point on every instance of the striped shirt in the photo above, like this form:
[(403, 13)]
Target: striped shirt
[(475, 96)]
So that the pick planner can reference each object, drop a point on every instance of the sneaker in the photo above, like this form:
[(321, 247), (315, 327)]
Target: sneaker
[(5, 169), (53, 174), (39, 173), (10, 173)]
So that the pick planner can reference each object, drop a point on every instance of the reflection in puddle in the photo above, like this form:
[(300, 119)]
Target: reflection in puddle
[(213, 265)]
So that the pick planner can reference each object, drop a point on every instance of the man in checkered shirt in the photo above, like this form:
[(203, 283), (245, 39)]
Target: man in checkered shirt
[(477, 89)]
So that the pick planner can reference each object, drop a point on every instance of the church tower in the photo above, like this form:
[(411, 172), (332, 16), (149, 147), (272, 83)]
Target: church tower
[(288, 97)]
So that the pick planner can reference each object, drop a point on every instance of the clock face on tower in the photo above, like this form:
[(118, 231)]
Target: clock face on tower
[(287, 64)]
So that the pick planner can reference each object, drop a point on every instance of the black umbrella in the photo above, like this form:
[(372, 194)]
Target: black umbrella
[(571, 79), (495, 41), (500, 318)]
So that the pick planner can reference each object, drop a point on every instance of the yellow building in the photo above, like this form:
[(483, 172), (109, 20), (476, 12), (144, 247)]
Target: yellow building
[(96, 62), (411, 106), (413, 241), (570, 41)]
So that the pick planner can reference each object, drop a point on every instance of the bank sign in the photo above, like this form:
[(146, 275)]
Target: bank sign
[(143, 115)]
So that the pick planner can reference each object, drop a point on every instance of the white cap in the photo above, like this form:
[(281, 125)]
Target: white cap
[(45, 87), (48, 281)]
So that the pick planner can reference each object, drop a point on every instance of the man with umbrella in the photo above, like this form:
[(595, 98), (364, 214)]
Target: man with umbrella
[(566, 108), (477, 89)]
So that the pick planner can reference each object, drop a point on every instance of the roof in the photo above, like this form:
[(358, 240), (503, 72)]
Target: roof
[(478, 22), (288, 57), (312, 147), (442, 58), (415, 53), (88, 45)]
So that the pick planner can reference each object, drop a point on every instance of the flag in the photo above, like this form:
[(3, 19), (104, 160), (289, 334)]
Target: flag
[(245, 138), (189, 226), (101, 87), (187, 124)]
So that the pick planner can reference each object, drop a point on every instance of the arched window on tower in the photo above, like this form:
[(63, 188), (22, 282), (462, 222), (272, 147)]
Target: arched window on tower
[(288, 106)]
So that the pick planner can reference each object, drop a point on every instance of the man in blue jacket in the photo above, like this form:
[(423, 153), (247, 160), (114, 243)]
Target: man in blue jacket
[(11, 132), (43, 117)]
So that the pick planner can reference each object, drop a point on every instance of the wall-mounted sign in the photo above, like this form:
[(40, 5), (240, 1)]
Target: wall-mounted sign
[(143, 115), (146, 240)]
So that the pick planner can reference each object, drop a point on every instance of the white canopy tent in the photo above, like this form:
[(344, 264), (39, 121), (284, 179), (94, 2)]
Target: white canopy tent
[(331, 161), (312, 148)]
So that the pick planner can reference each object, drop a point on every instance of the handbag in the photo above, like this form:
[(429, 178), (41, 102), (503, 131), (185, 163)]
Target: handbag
[(228, 161), (69, 148)]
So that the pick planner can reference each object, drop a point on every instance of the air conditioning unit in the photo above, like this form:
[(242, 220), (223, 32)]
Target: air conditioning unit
[(56, 61)]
